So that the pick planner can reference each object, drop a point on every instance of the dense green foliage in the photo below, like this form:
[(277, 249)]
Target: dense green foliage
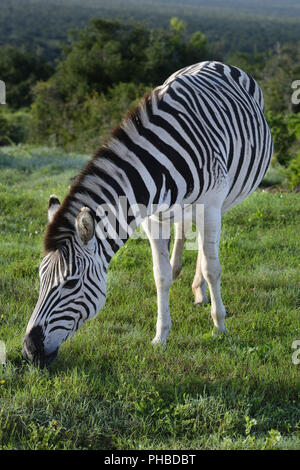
[(105, 67), (109, 65), (14, 126), (109, 388), (105, 70), (109, 52), (230, 25), (21, 70)]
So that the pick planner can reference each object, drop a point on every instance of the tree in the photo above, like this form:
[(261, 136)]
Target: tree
[(281, 69), (106, 67), (107, 52), (20, 70), (283, 136), (170, 50), (103, 53)]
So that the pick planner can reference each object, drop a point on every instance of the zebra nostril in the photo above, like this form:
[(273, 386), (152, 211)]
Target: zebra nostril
[(33, 348)]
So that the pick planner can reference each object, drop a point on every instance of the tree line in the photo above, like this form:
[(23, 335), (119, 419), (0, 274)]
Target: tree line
[(106, 67), (229, 25)]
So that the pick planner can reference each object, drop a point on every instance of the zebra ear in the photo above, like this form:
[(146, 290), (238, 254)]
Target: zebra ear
[(85, 225), (53, 206)]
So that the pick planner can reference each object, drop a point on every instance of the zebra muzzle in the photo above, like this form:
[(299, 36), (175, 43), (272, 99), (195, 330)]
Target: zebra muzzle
[(33, 348)]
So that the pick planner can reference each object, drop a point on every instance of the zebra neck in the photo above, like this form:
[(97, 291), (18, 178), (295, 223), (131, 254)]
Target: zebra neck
[(120, 195), (119, 190)]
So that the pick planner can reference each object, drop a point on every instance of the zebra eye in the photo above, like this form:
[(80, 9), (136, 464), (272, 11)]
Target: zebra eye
[(70, 284)]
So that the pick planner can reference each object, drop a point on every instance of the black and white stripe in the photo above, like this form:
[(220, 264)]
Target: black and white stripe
[(200, 134)]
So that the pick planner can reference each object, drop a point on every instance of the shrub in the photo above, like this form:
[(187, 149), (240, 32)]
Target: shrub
[(82, 124), (14, 126), (105, 69), (20, 70), (293, 172), (283, 135)]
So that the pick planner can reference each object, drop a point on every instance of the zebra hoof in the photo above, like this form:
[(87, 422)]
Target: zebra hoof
[(220, 331), (159, 342), (201, 300)]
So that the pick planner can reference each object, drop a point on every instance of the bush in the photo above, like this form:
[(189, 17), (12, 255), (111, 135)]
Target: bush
[(14, 126), (20, 70), (283, 135), (105, 70), (101, 113), (293, 172), (82, 124)]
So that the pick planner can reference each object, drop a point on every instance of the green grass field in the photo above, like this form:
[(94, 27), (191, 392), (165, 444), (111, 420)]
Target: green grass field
[(109, 388)]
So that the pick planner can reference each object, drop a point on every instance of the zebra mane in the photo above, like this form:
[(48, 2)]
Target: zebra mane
[(62, 227)]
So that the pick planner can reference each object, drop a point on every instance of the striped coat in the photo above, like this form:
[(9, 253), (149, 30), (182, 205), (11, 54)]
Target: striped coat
[(200, 139)]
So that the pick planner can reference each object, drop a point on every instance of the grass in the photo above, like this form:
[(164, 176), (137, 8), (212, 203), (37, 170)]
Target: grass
[(109, 388)]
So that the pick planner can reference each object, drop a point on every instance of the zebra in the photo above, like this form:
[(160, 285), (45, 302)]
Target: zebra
[(200, 138)]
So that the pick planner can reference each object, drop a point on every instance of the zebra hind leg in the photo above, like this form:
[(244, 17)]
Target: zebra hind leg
[(210, 265), (199, 285), (180, 229)]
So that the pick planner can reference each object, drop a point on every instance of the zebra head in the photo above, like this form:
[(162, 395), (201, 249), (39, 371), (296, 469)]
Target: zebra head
[(72, 289)]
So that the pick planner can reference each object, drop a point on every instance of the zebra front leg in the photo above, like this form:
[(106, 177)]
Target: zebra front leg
[(162, 271), (210, 265), (199, 285)]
